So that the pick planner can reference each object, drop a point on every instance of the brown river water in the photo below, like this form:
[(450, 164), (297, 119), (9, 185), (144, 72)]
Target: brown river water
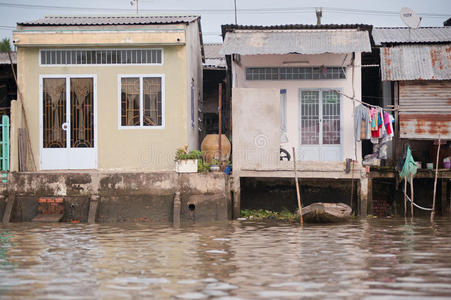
[(363, 259)]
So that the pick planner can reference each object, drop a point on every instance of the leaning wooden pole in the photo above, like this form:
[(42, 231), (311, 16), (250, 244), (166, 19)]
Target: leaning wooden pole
[(220, 123), (411, 195), (435, 180), (298, 193)]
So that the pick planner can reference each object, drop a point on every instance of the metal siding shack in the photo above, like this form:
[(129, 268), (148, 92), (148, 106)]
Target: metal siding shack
[(423, 73), (425, 109)]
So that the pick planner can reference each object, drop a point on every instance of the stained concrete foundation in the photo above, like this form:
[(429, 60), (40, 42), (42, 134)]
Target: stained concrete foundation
[(278, 193), (121, 197)]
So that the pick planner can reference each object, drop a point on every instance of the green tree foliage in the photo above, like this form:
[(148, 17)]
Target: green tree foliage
[(5, 45)]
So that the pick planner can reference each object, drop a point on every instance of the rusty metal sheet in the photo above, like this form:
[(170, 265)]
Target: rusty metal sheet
[(425, 126), (425, 95), (254, 42), (416, 62)]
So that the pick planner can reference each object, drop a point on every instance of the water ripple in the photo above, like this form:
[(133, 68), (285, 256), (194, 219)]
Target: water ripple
[(364, 259)]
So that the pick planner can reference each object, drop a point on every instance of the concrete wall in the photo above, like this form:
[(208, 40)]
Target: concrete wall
[(195, 77), (124, 197), (256, 130), (146, 149), (347, 86)]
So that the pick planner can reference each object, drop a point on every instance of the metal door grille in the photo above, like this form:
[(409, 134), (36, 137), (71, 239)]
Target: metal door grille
[(54, 112), (331, 117), (82, 113), (310, 117)]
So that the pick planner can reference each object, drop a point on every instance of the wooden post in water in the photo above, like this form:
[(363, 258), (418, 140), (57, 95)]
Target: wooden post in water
[(411, 195), (405, 197), (435, 181), (220, 124), (298, 193)]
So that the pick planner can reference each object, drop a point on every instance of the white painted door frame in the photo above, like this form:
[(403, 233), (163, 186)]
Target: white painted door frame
[(320, 151), (68, 157)]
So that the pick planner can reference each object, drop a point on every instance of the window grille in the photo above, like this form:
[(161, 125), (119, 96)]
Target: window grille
[(295, 73), (101, 57), (141, 102)]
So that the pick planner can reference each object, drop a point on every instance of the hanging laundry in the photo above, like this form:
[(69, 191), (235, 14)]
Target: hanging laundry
[(362, 120), (387, 123), (373, 114), (375, 124)]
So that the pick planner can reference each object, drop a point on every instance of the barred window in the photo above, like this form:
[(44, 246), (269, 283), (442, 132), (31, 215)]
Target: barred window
[(295, 73), (141, 101), (101, 57)]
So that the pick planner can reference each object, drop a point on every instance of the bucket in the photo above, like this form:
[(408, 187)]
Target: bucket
[(447, 164), (430, 166)]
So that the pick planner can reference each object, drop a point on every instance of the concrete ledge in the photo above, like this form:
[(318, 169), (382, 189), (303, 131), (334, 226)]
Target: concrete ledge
[(122, 197), (307, 169)]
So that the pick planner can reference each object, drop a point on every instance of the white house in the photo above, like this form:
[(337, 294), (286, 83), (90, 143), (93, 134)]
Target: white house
[(295, 86)]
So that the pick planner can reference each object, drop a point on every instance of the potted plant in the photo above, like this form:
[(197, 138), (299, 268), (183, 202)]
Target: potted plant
[(214, 165), (186, 161)]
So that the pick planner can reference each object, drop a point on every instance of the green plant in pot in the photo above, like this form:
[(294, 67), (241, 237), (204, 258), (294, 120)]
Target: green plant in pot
[(187, 161)]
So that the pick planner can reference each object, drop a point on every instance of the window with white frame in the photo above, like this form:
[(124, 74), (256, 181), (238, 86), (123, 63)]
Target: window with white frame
[(141, 101), (53, 57)]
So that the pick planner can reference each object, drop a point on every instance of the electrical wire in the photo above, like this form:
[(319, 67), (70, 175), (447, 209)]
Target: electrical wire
[(266, 10)]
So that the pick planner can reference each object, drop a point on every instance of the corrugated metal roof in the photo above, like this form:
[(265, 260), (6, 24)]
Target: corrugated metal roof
[(213, 58), (416, 62), (232, 27), (4, 58), (214, 64), (251, 42), (404, 35), (108, 20)]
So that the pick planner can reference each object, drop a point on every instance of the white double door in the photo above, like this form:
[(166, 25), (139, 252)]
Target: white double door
[(320, 125), (68, 127)]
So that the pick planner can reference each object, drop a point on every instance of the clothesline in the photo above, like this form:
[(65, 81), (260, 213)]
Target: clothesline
[(362, 102)]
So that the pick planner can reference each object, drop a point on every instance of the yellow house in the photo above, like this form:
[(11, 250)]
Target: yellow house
[(107, 92)]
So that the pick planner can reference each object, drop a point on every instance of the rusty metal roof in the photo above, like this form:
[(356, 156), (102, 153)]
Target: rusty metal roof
[(4, 58), (416, 62), (404, 35), (302, 41), (109, 20)]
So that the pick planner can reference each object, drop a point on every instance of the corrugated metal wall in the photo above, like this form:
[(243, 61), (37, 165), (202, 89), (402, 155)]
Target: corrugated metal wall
[(425, 109)]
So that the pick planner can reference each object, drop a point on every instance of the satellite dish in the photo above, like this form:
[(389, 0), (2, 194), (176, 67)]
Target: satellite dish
[(410, 18)]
